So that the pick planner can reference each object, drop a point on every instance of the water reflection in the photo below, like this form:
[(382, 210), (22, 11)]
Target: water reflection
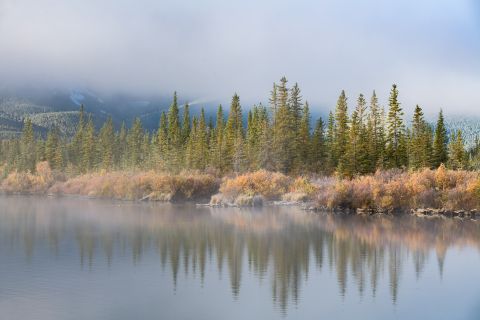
[(278, 246)]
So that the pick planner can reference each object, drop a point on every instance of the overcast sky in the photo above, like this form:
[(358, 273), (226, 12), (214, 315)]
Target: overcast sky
[(213, 48)]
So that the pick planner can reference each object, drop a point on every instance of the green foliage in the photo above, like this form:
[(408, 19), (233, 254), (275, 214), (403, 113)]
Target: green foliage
[(440, 142), (420, 142), (396, 148), (457, 154), (340, 137), (278, 138)]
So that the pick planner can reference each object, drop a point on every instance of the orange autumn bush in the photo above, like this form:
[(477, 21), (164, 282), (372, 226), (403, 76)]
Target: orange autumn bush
[(29, 182), (399, 190), (270, 185), (133, 186)]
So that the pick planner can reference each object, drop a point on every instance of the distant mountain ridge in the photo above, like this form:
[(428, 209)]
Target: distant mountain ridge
[(61, 109)]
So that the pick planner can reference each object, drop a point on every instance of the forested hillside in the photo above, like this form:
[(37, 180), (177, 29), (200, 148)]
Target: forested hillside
[(60, 109)]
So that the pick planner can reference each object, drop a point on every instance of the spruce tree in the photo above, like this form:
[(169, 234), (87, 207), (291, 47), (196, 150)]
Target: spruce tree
[(340, 142), (201, 148), (121, 146), (330, 144), (51, 147), (134, 142), (186, 123), (75, 150), (174, 136), (396, 150), (376, 134), (234, 128), (88, 147), (251, 139), (162, 141), (304, 143), (295, 104), (357, 157), (218, 145), (191, 161), (284, 131), (440, 142), (264, 144), (457, 158), (106, 143), (419, 142), (27, 147), (318, 148)]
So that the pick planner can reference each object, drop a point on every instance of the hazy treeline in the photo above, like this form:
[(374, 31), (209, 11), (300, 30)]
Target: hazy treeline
[(281, 137)]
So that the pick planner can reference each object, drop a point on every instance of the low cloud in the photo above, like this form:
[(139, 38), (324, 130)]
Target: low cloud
[(214, 48)]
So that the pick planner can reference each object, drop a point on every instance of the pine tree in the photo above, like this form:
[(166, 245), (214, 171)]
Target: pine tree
[(264, 144), (201, 145), (318, 149), (239, 156), (186, 123), (396, 152), (134, 142), (174, 136), (295, 104), (233, 129), (457, 158), (365, 162), (273, 100), (330, 144), (58, 157), (284, 131), (75, 149), (419, 142), (218, 145), (376, 134), (106, 143), (145, 160), (88, 147), (162, 141), (251, 139), (341, 133), (190, 152), (357, 157), (351, 164), (440, 142), (121, 147), (303, 141), (27, 147), (52, 145)]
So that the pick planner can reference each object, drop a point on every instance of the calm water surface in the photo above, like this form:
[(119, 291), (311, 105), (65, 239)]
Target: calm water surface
[(75, 258)]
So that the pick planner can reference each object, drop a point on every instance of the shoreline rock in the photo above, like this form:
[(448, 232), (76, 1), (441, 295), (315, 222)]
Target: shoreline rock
[(432, 212)]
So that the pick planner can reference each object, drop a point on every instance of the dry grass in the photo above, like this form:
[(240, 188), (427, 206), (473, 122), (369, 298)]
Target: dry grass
[(27, 182), (270, 185), (265, 184), (140, 185), (397, 190), (385, 190)]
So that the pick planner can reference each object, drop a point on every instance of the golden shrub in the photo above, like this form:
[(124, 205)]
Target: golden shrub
[(271, 185), (134, 186)]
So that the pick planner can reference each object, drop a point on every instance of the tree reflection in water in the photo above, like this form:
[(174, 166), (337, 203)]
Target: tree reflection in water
[(278, 245)]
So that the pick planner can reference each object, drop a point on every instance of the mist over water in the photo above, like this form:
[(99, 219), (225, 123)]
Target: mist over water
[(75, 258)]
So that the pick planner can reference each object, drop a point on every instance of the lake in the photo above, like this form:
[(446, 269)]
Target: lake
[(78, 258)]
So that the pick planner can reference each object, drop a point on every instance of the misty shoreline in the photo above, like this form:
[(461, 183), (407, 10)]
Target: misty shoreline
[(425, 193)]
